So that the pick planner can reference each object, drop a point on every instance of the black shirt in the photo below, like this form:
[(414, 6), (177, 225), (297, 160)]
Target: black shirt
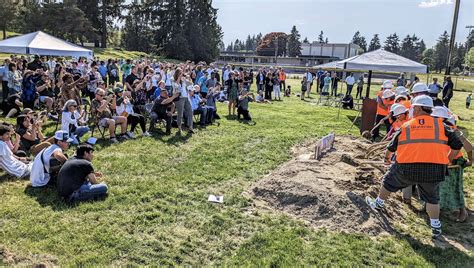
[(73, 175), (130, 78), (159, 108)]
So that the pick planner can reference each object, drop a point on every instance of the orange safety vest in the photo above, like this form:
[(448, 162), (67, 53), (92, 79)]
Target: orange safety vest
[(405, 103), (388, 104), (422, 140), (459, 155), (398, 124), (282, 76)]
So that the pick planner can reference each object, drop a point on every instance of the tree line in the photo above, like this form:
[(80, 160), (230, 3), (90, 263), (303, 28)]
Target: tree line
[(181, 29)]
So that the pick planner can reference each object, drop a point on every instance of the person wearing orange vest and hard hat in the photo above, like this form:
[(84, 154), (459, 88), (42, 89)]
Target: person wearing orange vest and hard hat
[(385, 99), (282, 78), (451, 190), (418, 89), (397, 116), (424, 147)]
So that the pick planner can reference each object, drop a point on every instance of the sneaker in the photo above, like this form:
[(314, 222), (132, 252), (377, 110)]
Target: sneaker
[(436, 232), (53, 117), (114, 140), (191, 131), (372, 203), (123, 137), (146, 134), (130, 135)]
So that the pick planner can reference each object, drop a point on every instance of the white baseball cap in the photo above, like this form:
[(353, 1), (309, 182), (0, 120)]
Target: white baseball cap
[(423, 100), (387, 84), (441, 112), (387, 94), (419, 87), (398, 109), (62, 135)]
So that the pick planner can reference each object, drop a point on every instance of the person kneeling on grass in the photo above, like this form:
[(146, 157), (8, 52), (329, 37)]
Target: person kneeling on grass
[(77, 180), (101, 111), (243, 107), (48, 162), (10, 163)]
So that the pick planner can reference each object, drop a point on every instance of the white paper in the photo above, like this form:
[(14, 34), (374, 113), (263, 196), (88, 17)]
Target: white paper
[(216, 198)]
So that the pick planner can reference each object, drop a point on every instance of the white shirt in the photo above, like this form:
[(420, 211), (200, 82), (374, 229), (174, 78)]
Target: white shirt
[(350, 80), (12, 165), (38, 177), (225, 76), (66, 120), (309, 77)]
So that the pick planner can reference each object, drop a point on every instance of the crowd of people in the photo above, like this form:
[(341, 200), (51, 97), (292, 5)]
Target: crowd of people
[(424, 150), (116, 96)]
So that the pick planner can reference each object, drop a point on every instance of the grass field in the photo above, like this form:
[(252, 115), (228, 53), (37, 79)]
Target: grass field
[(157, 211)]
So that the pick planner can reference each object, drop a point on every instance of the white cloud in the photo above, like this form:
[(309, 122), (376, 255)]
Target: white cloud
[(434, 3)]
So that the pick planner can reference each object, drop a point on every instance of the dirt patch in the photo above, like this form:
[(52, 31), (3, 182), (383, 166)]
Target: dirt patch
[(329, 193), (9, 258)]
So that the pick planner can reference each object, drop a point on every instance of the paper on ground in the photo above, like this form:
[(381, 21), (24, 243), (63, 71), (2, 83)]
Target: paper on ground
[(216, 198)]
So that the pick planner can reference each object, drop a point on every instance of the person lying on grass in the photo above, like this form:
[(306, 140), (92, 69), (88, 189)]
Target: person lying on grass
[(77, 180), (10, 163)]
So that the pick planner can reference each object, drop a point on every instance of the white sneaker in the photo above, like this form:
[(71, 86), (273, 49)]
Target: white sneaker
[(130, 135), (372, 203), (146, 134)]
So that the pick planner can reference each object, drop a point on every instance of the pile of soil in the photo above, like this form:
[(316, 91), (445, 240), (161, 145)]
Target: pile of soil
[(329, 193)]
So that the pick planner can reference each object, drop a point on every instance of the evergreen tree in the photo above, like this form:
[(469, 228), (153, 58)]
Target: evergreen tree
[(7, 14), (137, 35), (306, 41), (248, 43), (407, 48), (441, 52), (294, 43), (470, 40), (321, 37), (420, 48), (230, 48), (326, 41), (392, 43), (428, 58), (459, 54), (359, 40), (374, 43)]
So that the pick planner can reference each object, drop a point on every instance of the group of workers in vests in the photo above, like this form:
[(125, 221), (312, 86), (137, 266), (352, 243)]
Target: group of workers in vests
[(424, 143)]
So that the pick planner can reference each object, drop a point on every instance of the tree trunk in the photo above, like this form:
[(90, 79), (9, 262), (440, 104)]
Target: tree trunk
[(104, 24), (4, 33)]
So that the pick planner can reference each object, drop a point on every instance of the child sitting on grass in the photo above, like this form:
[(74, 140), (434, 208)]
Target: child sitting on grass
[(288, 91)]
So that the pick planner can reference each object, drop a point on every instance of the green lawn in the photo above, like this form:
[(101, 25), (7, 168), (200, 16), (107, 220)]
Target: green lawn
[(157, 211)]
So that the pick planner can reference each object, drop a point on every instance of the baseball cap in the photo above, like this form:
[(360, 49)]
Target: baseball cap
[(62, 135)]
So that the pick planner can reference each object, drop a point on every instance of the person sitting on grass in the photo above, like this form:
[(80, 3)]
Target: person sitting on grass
[(12, 106), (9, 162), (71, 119), (29, 129), (77, 180), (101, 111), (243, 107), (163, 109), (48, 162), (261, 99)]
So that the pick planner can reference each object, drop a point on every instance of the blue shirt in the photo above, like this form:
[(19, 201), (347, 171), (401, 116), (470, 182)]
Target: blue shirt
[(198, 76), (103, 70), (4, 72), (195, 100), (202, 83)]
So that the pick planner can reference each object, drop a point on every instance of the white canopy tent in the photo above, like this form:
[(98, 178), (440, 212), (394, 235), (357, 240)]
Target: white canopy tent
[(378, 60), (41, 43)]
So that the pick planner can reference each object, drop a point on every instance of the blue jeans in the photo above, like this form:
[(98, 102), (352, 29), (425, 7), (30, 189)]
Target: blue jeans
[(80, 131), (89, 191)]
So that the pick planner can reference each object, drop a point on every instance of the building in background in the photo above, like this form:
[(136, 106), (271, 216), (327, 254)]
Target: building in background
[(311, 54)]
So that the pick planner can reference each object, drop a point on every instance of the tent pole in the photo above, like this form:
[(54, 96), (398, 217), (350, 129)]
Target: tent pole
[(369, 80)]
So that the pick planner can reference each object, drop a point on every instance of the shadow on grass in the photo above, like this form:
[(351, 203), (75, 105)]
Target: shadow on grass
[(48, 197), (356, 120)]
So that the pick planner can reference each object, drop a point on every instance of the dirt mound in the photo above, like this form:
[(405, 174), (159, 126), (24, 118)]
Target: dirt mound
[(329, 193)]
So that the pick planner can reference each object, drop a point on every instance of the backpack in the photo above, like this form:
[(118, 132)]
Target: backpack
[(29, 90)]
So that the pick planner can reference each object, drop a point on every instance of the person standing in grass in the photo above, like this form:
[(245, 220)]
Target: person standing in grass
[(360, 86), (468, 100), (232, 92), (309, 81), (77, 180), (448, 88), (327, 84), (304, 87), (350, 81)]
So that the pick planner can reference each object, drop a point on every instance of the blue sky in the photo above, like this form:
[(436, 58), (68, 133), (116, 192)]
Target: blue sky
[(340, 19)]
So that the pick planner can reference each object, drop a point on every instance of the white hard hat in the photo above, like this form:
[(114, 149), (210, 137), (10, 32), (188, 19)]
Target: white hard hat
[(387, 84), (422, 100), (398, 109), (401, 91), (387, 94), (419, 87), (452, 119), (441, 112)]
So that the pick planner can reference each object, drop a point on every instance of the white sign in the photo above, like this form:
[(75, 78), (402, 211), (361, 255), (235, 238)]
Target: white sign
[(324, 144)]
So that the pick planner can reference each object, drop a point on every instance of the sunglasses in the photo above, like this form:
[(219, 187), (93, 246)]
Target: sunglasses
[(100, 95)]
